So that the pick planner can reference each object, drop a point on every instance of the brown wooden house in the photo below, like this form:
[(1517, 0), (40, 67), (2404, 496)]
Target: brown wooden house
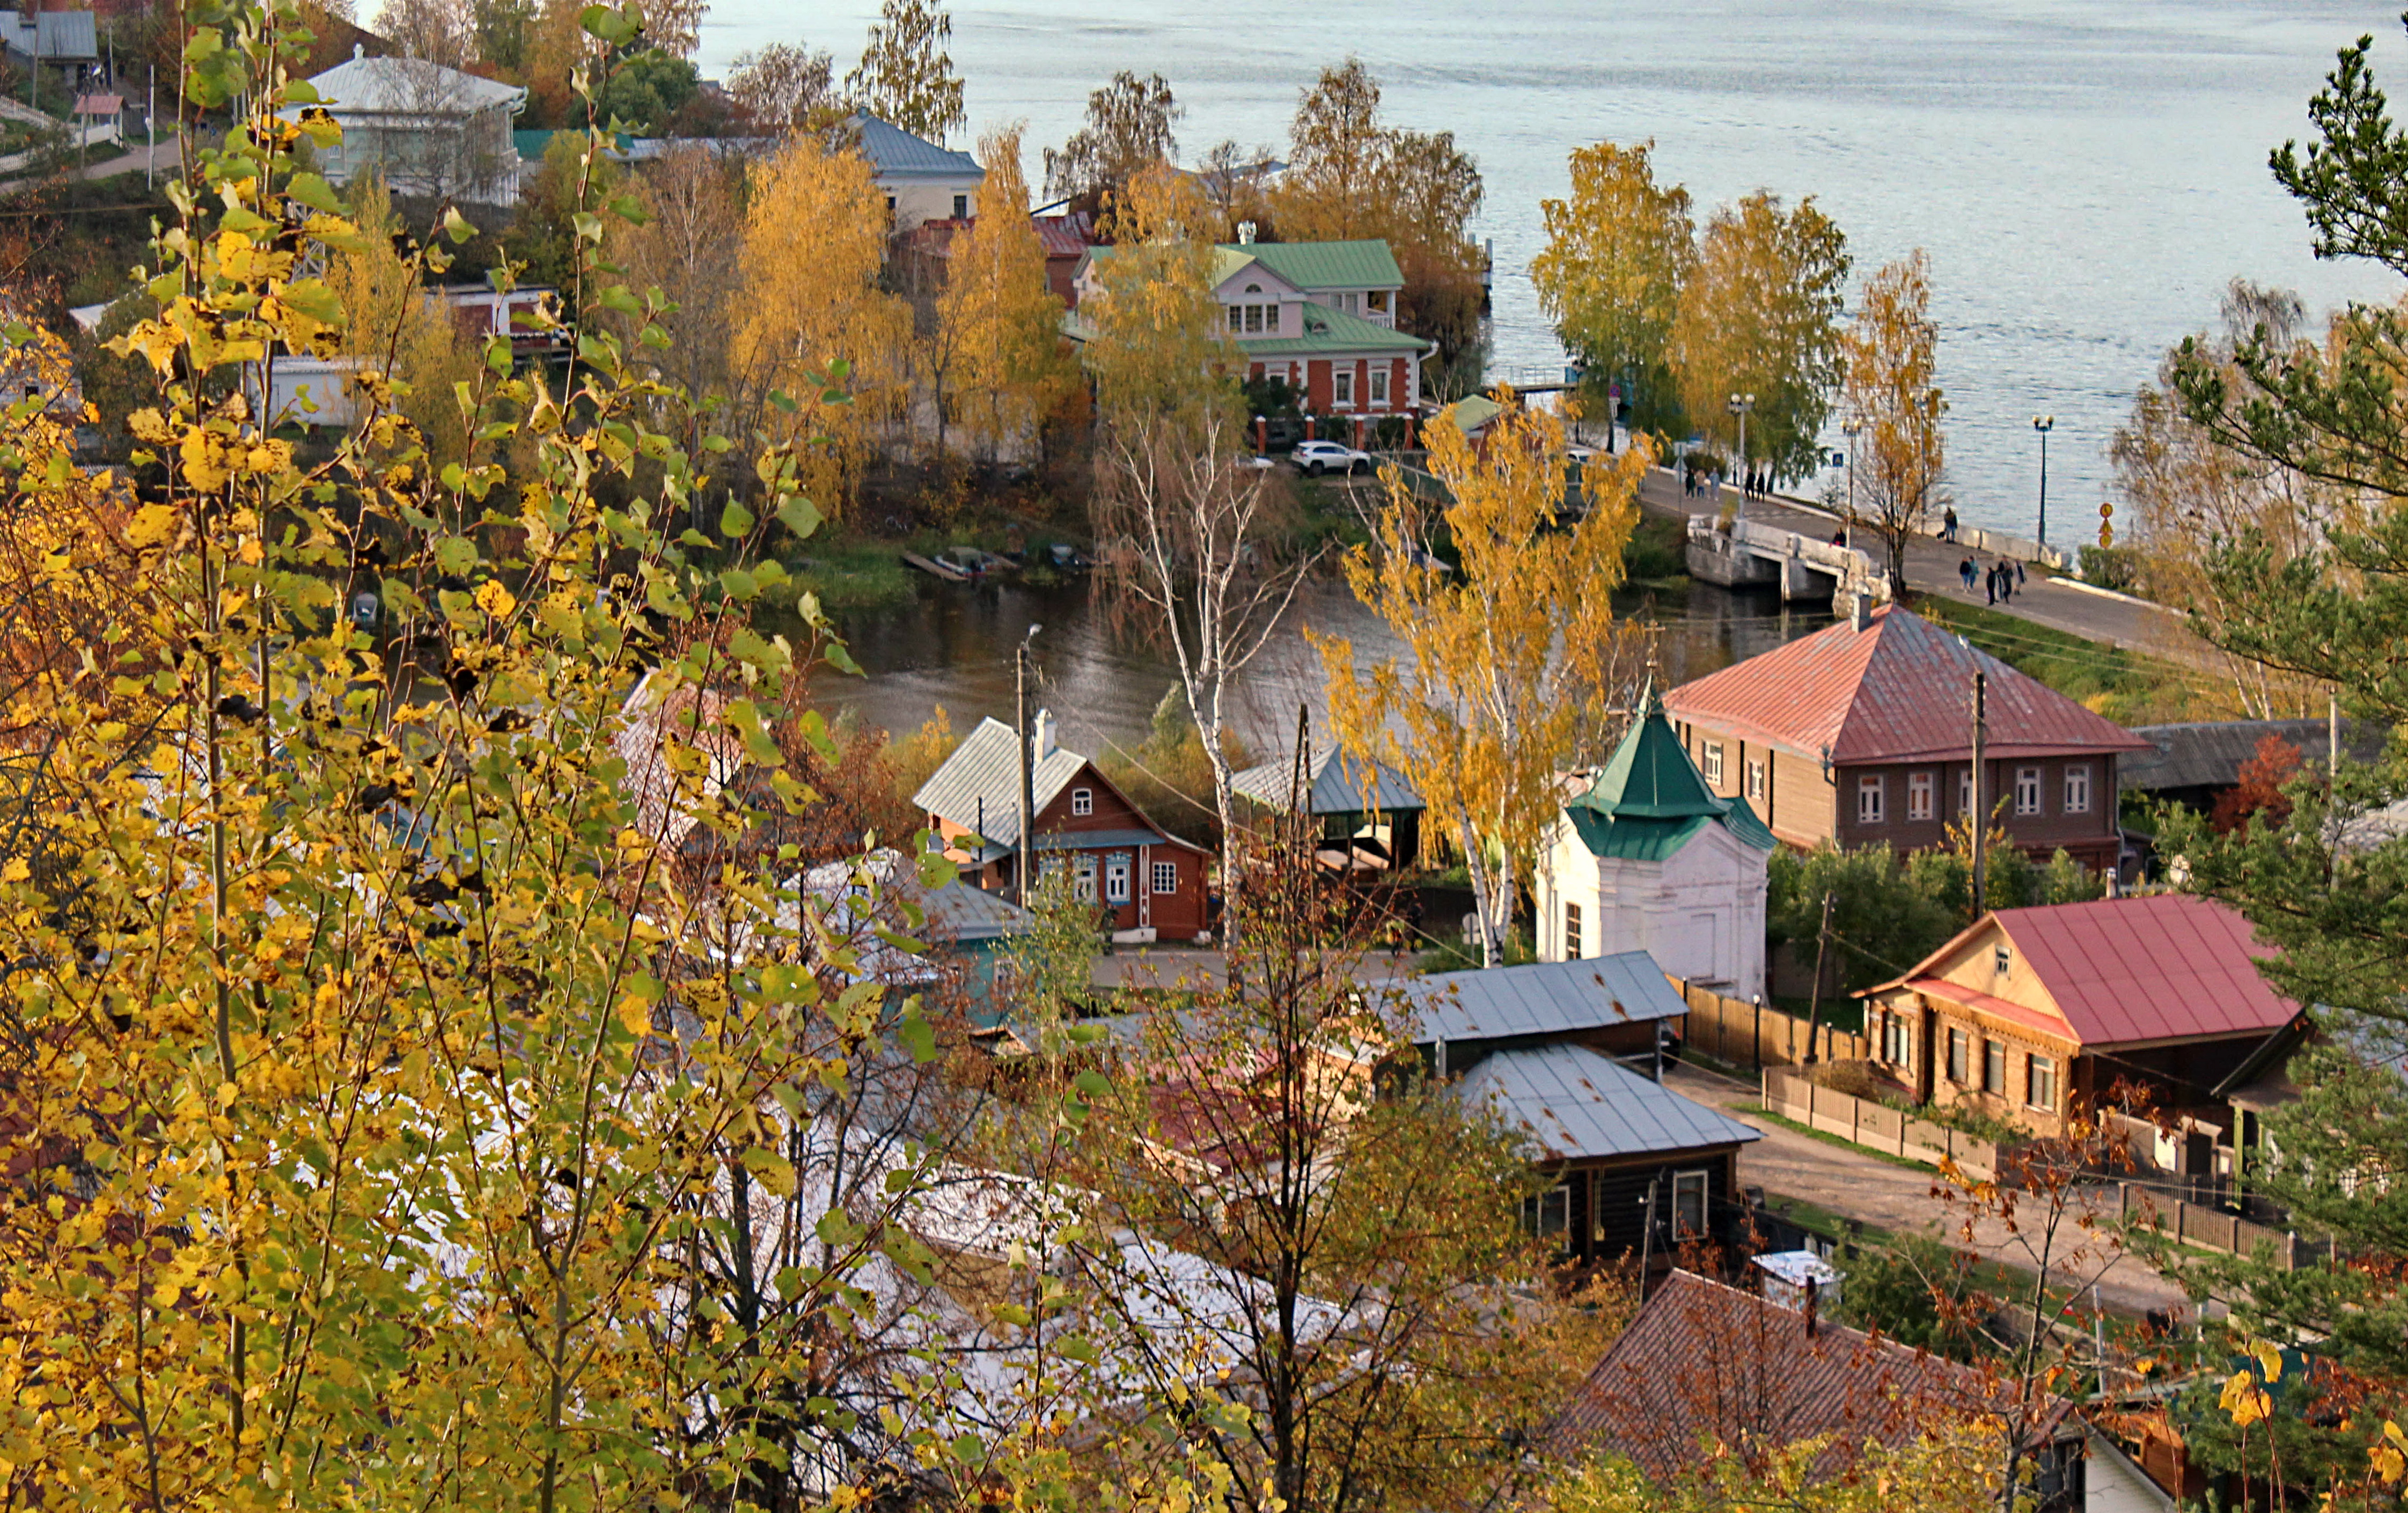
[(1152, 883), (2031, 1015), (1863, 734)]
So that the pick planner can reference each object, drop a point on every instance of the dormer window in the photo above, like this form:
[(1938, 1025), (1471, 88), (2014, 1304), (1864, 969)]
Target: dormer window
[(1083, 801), (2001, 960)]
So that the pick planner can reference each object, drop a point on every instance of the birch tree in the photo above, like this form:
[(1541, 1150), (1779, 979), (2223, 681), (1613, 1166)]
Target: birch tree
[(1129, 129), (1760, 315), (1514, 657), (1891, 389), (906, 76)]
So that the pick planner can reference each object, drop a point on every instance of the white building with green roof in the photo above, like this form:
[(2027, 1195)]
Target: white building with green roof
[(1321, 316), (1647, 857)]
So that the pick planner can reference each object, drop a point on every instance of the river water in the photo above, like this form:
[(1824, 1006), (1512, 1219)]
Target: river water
[(2085, 174)]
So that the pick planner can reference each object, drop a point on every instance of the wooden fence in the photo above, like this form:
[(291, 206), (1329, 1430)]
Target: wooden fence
[(1744, 1034), (1878, 1126), (2213, 1229)]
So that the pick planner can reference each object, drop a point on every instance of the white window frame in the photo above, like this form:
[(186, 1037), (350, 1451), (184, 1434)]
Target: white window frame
[(2002, 959), (1960, 1055), (1918, 796), (1873, 800), (1571, 931), (1083, 878), (2027, 797), (2077, 788), (1082, 802), (1550, 1212), (1691, 1192), (1253, 320), (1236, 320), (1713, 765), (1270, 320), (1897, 1040), (1165, 878), (2033, 1062), (1994, 1066), (1118, 871), (1759, 779), (1341, 387), (1380, 384), (1965, 792)]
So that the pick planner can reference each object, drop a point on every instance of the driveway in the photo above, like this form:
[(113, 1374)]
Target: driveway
[(1901, 1199)]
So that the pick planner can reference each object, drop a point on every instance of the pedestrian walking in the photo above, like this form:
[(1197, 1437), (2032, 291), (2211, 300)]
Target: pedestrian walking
[(1948, 530), (1965, 571), (1990, 582), (2019, 573), (2006, 582)]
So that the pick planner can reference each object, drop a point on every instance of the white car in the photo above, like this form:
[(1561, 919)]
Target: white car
[(1315, 458)]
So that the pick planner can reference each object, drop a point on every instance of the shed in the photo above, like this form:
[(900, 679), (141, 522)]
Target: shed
[(1611, 1004), (2192, 762), (1370, 816)]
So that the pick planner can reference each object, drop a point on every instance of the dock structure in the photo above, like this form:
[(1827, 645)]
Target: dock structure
[(1745, 554)]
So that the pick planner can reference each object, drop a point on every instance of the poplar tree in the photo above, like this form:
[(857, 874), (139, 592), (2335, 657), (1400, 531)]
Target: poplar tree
[(1617, 253), (1010, 365), (1760, 315), (906, 76)]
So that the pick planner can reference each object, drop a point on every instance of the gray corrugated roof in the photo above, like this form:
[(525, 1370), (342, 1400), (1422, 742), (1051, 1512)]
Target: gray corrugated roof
[(962, 913), (1543, 998), (1337, 782), (896, 153), (2209, 753), (987, 765), (1578, 1106), (53, 34)]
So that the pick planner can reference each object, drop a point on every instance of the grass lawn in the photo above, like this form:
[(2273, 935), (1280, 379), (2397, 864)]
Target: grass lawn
[(2127, 687)]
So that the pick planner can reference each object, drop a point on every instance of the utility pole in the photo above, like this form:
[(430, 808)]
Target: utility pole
[(1814, 993), (1981, 815), (2044, 425), (1028, 767), (150, 127)]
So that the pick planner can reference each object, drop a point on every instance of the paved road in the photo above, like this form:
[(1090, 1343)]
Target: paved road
[(2115, 619), (1899, 1198)]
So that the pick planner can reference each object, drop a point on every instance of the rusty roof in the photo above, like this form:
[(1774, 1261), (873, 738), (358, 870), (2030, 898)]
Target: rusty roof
[(1900, 690), (1064, 235), (1703, 1361)]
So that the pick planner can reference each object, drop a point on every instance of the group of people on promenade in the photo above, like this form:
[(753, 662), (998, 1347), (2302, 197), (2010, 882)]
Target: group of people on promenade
[(2001, 580)]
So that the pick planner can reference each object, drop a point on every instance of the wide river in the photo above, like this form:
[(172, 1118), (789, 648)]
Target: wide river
[(2086, 175)]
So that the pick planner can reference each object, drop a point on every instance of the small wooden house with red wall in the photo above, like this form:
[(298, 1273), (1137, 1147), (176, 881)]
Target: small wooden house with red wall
[(1151, 881)]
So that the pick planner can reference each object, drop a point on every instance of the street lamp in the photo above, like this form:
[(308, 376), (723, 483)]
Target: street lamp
[(1740, 404), (1850, 430), (1027, 777), (2044, 425)]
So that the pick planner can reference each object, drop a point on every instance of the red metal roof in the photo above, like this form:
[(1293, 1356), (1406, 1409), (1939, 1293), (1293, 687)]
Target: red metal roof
[(1064, 235), (2168, 966), (2013, 1013), (1900, 690)]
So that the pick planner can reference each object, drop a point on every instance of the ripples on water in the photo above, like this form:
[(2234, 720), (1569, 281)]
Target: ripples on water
[(2086, 176)]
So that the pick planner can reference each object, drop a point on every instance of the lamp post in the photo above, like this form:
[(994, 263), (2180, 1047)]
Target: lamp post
[(1027, 764), (2044, 425), (1740, 404), (1850, 429)]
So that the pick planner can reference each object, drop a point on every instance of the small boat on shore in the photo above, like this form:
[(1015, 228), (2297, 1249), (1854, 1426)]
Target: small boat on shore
[(935, 568)]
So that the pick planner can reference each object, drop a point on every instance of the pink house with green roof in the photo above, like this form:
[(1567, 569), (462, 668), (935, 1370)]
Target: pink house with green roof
[(1320, 315)]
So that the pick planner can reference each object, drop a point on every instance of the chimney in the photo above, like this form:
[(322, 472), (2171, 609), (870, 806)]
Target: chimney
[(1043, 738), (1813, 1291), (1860, 610), (2115, 881), (1245, 234)]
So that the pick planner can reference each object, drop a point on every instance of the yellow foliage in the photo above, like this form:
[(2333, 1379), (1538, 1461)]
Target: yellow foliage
[(1513, 658), (814, 245), (1005, 324)]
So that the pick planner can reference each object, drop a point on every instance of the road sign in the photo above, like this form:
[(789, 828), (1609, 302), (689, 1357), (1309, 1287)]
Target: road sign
[(2106, 534), (2106, 511)]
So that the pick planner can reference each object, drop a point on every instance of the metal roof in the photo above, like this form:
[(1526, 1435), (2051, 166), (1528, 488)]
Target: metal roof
[(1543, 998), (1649, 798), (2162, 967), (409, 86), (2209, 753), (1900, 690), (896, 153), (52, 33), (986, 766), (1365, 264), (960, 912), (1336, 782), (1578, 1105)]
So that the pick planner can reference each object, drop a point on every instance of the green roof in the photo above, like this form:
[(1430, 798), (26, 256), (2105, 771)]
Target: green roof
[(1315, 266), (1649, 798), (1472, 412), (1333, 330)]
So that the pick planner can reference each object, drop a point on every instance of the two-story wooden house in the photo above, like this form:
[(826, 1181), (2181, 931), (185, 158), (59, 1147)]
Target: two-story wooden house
[(2031, 1015), (1321, 316), (1863, 734), (1152, 882)]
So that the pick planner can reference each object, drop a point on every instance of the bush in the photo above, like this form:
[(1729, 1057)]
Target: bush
[(1915, 1290), (1658, 548), (2112, 567), (1885, 917)]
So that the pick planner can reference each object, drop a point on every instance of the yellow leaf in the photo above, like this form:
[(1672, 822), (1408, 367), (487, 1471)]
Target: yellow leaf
[(151, 526), (204, 464), (2389, 1463), (2269, 1361), (636, 1015), (2243, 1400), (494, 599), (15, 870)]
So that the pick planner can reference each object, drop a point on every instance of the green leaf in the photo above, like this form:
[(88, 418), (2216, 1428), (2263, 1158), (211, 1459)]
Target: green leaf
[(455, 226), (799, 516), (607, 25), (588, 224), (313, 299), (455, 555), (631, 209), (738, 585), (736, 520), (1093, 1084), (618, 297), (315, 192), (918, 1037)]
